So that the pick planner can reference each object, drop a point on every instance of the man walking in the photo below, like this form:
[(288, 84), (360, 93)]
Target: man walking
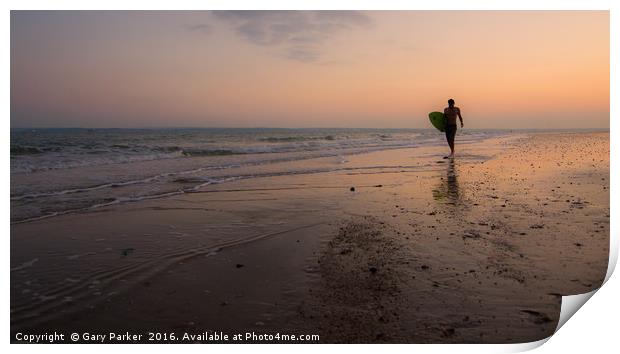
[(451, 113)]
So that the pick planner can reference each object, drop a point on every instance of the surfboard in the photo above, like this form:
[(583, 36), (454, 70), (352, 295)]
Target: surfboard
[(438, 120)]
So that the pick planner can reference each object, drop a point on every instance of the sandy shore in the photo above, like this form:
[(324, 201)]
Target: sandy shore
[(478, 249)]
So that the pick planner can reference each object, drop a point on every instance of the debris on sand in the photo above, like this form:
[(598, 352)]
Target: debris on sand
[(537, 317), (471, 234), (448, 332), (127, 251)]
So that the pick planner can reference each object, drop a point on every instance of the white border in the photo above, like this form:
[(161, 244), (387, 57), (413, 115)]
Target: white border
[(597, 321)]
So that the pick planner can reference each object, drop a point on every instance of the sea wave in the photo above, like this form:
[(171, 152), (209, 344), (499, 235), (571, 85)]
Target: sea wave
[(25, 150), (284, 139), (113, 167), (209, 152)]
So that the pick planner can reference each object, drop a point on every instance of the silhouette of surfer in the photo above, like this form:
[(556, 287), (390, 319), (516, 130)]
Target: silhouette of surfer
[(451, 112)]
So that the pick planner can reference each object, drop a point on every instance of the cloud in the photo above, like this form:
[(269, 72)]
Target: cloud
[(303, 54), (199, 27), (298, 34)]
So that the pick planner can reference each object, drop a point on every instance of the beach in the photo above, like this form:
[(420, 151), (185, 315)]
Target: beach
[(360, 244)]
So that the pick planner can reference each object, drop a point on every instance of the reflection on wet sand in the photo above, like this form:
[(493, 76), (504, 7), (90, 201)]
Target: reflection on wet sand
[(448, 190)]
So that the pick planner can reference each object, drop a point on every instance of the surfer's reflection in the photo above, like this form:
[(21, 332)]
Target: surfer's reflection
[(448, 189)]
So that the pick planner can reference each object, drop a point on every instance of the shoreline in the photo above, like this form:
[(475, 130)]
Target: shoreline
[(403, 223), (86, 188)]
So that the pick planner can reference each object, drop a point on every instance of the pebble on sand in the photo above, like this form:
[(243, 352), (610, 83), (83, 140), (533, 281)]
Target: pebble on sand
[(127, 251)]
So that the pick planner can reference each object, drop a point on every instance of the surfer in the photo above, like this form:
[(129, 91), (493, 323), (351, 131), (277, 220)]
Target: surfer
[(451, 113)]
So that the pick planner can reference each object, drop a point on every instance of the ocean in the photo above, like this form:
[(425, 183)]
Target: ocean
[(60, 171)]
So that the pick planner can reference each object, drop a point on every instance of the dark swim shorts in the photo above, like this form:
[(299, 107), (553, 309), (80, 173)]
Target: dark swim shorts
[(450, 133)]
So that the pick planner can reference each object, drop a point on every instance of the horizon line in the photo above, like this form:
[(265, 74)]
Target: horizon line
[(287, 128), (293, 128)]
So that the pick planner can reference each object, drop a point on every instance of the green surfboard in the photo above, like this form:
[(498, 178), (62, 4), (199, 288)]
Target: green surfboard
[(438, 120)]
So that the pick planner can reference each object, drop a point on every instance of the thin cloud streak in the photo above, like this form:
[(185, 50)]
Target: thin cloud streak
[(199, 27)]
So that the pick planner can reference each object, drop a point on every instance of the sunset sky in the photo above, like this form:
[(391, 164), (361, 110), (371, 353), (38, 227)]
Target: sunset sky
[(384, 69)]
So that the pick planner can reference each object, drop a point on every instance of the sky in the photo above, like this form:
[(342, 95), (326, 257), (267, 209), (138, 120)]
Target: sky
[(376, 69)]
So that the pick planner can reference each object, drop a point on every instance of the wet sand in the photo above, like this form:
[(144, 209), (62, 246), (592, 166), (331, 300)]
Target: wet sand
[(423, 250)]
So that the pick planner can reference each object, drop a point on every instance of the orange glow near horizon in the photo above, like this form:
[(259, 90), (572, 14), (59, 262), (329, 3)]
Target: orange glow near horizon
[(385, 69)]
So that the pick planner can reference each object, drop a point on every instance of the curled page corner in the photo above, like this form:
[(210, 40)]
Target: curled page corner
[(524, 347), (571, 304)]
